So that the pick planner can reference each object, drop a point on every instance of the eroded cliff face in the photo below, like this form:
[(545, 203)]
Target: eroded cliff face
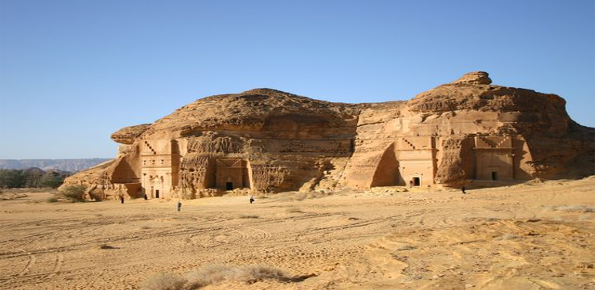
[(265, 140)]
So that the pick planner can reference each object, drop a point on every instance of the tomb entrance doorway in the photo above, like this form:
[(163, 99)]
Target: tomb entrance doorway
[(416, 181)]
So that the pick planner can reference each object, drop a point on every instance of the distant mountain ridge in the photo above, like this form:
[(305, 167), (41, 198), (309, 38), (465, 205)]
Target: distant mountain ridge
[(71, 165)]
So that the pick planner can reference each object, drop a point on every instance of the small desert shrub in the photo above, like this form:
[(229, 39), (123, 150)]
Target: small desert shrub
[(294, 210), (575, 208), (248, 216), (214, 274), (218, 273), (74, 193), (406, 248), (52, 199), (164, 281), (307, 195)]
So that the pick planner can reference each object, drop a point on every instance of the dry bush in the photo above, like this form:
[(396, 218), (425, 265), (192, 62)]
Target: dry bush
[(294, 210), (215, 274), (308, 195), (219, 273), (74, 193), (52, 199), (164, 281), (248, 216), (575, 208)]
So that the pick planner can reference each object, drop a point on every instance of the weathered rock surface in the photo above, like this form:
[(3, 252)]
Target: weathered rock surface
[(474, 78), (266, 140), (128, 135)]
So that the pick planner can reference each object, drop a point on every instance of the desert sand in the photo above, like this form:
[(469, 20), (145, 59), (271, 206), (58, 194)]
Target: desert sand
[(536, 235)]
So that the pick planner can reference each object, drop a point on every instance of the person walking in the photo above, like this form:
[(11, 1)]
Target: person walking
[(179, 205), (463, 189), (251, 199)]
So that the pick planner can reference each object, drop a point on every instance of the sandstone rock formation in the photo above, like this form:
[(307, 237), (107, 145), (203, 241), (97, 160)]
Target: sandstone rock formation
[(265, 140)]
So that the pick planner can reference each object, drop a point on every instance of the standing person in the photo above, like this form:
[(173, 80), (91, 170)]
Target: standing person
[(179, 205), (463, 189), (251, 199), (146, 197), (121, 198), (411, 183)]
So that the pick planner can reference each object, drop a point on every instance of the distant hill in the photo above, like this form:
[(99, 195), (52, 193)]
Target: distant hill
[(71, 165)]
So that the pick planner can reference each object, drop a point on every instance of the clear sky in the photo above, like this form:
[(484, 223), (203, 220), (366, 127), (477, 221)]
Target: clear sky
[(74, 71)]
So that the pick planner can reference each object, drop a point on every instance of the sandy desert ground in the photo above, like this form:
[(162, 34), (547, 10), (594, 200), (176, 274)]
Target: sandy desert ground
[(528, 236)]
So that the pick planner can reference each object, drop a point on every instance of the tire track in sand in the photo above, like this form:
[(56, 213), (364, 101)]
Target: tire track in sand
[(25, 275), (57, 266), (30, 263), (243, 235), (265, 234)]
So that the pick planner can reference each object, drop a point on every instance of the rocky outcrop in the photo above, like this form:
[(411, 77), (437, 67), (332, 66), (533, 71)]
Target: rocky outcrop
[(474, 78), (265, 140), (128, 135)]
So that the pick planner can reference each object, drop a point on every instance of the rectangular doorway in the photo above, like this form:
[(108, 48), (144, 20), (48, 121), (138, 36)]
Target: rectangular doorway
[(157, 193), (416, 181), (229, 185), (494, 175)]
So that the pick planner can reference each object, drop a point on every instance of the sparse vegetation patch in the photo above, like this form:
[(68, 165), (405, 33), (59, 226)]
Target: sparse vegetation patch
[(214, 274), (249, 216), (74, 193)]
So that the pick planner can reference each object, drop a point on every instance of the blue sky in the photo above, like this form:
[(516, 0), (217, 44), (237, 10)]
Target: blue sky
[(73, 72)]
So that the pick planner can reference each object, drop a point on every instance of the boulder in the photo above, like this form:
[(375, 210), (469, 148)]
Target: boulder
[(474, 78)]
